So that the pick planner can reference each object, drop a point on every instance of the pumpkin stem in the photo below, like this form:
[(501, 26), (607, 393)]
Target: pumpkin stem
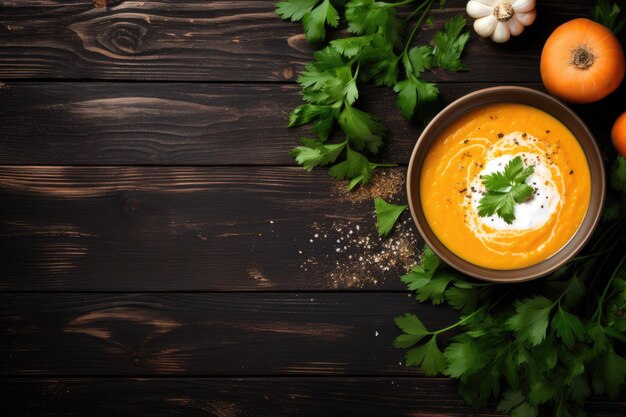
[(582, 57), (503, 11)]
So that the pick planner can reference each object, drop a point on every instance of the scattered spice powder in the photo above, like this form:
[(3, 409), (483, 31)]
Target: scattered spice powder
[(385, 183), (356, 257)]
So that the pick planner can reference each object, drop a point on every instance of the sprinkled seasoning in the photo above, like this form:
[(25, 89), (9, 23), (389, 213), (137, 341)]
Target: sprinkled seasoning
[(363, 259), (385, 183)]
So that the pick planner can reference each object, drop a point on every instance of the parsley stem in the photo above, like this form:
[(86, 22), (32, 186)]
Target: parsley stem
[(608, 236), (607, 286), (402, 3), (602, 239), (593, 255), (458, 323), (428, 4), (356, 73), (414, 12)]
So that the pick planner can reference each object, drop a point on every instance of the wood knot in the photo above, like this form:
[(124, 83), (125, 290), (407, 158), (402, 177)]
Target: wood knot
[(125, 37), (299, 43), (288, 73)]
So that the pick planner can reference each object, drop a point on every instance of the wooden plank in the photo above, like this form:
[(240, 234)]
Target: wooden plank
[(83, 334), (258, 397), (231, 397), (195, 228), (199, 124), (214, 40)]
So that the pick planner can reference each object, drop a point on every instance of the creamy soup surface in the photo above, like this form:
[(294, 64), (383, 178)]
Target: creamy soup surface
[(483, 141)]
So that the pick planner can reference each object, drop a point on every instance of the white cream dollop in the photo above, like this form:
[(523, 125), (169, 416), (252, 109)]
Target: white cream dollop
[(532, 213)]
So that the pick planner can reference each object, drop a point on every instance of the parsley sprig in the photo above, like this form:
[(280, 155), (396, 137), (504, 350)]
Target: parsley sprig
[(539, 347), (378, 52), (505, 189)]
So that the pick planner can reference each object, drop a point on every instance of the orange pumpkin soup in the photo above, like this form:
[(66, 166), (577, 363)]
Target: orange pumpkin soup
[(482, 142)]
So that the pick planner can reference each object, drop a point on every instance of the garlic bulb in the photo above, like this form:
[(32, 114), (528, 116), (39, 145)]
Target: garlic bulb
[(501, 18)]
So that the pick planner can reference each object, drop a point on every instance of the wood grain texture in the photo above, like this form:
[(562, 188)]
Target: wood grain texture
[(206, 334), (225, 397), (193, 228), (215, 40), (199, 124), (247, 397)]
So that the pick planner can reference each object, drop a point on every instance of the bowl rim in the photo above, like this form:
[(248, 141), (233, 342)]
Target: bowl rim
[(578, 240)]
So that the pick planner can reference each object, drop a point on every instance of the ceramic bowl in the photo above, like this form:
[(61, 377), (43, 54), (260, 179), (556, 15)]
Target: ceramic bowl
[(509, 95)]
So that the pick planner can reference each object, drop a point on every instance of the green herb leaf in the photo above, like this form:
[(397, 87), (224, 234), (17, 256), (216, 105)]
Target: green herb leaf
[(617, 177), (435, 289), (610, 374), (378, 61), (314, 153), (525, 410), (450, 45), (315, 21), (412, 327), (386, 215), (420, 59), (579, 390), (323, 117), (370, 16), (531, 319), (416, 95), (295, 10), (355, 165), (428, 357), (541, 392), (464, 358), (607, 13), (363, 130), (505, 189), (510, 400), (568, 327)]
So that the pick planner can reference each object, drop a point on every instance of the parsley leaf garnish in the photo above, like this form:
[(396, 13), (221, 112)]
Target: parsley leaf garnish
[(608, 14), (386, 215), (505, 189)]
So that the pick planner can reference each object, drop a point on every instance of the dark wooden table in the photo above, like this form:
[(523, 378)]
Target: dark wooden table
[(162, 255)]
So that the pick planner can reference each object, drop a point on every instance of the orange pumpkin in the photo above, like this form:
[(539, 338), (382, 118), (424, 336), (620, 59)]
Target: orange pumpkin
[(582, 62), (618, 133)]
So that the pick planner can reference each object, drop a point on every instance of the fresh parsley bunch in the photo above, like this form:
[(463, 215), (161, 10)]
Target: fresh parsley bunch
[(543, 346), (378, 52)]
